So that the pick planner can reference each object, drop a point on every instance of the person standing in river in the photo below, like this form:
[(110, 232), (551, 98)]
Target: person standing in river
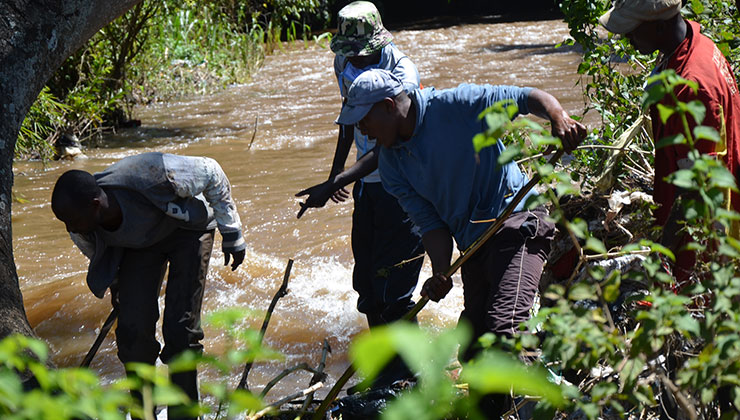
[(385, 245), (657, 25), (427, 161), (134, 220)]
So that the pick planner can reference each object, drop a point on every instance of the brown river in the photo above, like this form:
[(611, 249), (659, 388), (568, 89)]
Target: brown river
[(294, 99)]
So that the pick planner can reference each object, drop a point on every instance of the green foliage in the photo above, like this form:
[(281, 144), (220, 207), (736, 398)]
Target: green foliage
[(624, 366), (438, 396), (30, 390)]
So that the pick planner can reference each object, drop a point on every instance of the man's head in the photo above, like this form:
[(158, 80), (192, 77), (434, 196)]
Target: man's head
[(377, 104), (360, 31), (648, 24), (76, 201)]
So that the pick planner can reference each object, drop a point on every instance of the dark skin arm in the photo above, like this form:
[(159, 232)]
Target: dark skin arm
[(333, 188), (568, 130), (438, 245)]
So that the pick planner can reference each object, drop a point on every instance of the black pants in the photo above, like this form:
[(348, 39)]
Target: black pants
[(383, 237), (136, 296), (500, 283)]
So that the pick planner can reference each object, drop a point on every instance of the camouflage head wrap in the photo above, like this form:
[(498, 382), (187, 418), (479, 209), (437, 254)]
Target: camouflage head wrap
[(360, 31)]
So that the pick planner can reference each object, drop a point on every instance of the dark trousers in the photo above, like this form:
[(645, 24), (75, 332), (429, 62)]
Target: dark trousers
[(500, 283), (136, 296), (382, 238)]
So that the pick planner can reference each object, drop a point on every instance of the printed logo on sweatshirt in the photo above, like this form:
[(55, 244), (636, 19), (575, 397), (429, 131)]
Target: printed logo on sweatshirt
[(176, 212)]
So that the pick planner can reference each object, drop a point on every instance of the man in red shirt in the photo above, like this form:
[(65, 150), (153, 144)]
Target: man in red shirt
[(652, 25)]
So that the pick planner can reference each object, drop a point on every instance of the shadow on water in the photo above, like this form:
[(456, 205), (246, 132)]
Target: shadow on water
[(441, 22), (532, 49), (140, 137)]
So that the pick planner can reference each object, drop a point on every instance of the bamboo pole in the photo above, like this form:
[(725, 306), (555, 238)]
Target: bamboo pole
[(475, 246)]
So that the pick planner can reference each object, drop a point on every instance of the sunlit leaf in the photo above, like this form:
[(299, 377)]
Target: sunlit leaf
[(595, 245), (611, 288), (665, 112), (703, 132), (697, 110), (581, 291), (495, 372), (683, 178)]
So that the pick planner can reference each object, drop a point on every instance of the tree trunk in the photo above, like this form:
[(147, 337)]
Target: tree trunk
[(36, 36)]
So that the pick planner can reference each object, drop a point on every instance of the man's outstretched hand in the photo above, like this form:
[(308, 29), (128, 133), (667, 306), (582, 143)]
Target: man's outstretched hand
[(319, 194), (238, 257)]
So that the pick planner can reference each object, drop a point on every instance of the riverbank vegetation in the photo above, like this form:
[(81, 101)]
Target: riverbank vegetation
[(160, 50)]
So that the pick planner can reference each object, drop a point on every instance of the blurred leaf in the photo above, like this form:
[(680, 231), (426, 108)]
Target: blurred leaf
[(702, 132), (595, 245), (670, 141), (665, 112), (697, 110), (611, 288), (581, 291), (495, 372)]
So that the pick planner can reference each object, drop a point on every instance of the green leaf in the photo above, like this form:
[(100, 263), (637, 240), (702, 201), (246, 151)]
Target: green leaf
[(665, 112), (169, 395), (688, 324), (371, 351), (706, 133), (653, 94), (670, 141), (632, 369), (683, 178), (611, 289), (496, 372), (722, 178), (482, 140), (241, 401), (697, 110), (581, 291), (595, 245), (508, 154)]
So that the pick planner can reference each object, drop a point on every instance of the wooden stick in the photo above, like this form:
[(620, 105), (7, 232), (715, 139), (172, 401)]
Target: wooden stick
[(280, 293), (319, 376), (101, 336), (313, 388), (475, 246), (283, 374), (254, 134)]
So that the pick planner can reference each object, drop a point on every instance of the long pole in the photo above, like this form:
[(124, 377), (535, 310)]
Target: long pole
[(475, 246)]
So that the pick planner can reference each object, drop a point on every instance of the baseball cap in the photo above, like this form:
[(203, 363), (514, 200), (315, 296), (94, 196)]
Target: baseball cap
[(369, 88), (627, 15), (360, 31)]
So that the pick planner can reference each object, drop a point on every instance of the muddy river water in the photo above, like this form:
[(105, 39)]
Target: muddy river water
[(293, 100)]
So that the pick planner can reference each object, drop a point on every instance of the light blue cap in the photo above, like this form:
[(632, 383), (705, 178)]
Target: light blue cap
[(369, 88)]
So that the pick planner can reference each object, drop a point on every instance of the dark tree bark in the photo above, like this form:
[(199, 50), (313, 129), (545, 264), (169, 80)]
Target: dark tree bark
[(36, 36)]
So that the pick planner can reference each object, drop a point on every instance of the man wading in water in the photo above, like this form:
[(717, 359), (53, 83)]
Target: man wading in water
[(427, 161), (134, 218), (382, 234)]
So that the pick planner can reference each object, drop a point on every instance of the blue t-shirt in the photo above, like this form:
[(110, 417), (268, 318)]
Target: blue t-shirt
[(434, 174), (391, 59)]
